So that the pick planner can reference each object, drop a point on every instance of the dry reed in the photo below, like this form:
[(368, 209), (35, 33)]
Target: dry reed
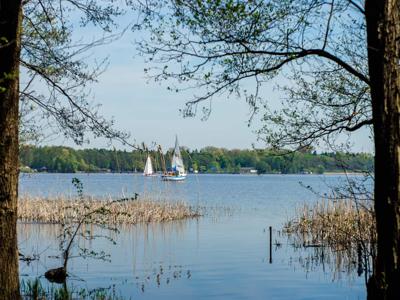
[(343, 228), (61, 210), (336, 223)]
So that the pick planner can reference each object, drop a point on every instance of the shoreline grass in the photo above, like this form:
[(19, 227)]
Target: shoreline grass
[(343, 227), (337, 223), (62, 209)]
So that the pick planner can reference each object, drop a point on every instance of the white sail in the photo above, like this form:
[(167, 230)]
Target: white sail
[(148, 169), (177, 162), (178, 170)]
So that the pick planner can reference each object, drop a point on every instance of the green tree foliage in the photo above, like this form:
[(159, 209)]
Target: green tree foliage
[(233, 47), (58, 69), (206, 160), (340, 61)]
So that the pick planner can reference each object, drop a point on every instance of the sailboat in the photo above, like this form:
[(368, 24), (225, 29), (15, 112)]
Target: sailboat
[(177, 172), (148, 169)]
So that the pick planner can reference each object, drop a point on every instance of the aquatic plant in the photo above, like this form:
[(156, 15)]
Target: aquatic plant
[(73, 228), (32, 289), (63, 209), (74, 214), (345, 226)]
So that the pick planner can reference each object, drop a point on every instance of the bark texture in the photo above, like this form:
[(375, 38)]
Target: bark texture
[(383, 31), (10, 20)]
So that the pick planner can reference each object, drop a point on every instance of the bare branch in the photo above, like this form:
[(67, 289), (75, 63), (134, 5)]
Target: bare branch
[(328, 26), (357, 6)]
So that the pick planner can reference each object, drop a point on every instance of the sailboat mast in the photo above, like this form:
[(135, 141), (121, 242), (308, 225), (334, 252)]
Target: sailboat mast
[(178, 170), (162, 159)]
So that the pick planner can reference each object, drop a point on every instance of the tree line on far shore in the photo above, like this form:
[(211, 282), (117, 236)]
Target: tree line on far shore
[(207, 160)]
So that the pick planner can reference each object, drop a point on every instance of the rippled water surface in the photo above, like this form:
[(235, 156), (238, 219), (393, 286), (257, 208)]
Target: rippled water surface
[(222, 255)]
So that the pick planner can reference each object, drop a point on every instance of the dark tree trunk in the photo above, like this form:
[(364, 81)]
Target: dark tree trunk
[(383, 31), (10, 20)]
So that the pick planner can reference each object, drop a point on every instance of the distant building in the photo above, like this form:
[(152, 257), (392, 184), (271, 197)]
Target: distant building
[(248, 171), (26, 169), (191, 170)]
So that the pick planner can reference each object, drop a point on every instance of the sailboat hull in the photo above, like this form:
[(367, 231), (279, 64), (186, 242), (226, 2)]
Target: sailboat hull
[(173, 178), (177, 172)]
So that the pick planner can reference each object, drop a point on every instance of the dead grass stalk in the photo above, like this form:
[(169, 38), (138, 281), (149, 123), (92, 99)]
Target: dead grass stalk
[(63, 210), (337, 223)]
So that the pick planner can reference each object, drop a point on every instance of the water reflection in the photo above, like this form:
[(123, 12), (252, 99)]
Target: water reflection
[(196, 255), (336, 263), (40, 242), (220, 255)]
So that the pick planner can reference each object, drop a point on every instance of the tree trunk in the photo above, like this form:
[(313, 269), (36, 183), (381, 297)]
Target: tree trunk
[(10, 20), (383, 32)]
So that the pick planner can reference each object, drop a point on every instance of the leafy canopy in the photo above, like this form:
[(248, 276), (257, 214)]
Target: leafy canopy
[(218, 47)]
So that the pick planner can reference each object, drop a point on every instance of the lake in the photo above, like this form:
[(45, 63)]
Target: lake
[(221, 255)]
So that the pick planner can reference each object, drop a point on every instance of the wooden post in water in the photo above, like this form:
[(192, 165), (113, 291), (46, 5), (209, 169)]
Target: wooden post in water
[(270, 244)]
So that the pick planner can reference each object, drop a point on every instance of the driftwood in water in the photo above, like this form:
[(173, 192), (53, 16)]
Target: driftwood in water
[(57, 275)]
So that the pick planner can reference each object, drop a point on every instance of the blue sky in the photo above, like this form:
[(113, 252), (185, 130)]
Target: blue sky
[(151, 113)]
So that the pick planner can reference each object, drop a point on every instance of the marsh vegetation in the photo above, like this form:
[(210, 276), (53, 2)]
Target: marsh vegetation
[(344, 229), (64, 209), (223, 252)]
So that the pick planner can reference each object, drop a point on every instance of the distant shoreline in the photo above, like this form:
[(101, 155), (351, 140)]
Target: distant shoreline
[(190, 174), (343, 173), (209, 160)]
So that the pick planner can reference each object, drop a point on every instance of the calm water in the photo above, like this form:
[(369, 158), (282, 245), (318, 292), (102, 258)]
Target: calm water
[(223, 255)]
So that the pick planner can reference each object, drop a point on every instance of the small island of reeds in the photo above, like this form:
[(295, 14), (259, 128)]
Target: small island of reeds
[(344, 227), (62, 209), (337, 223)]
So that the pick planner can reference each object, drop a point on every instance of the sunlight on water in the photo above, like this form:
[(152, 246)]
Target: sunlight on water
[(224, 254)]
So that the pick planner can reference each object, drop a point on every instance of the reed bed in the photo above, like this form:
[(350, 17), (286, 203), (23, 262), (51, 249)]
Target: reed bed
[(337, 223), (62, 210), (343, 229)]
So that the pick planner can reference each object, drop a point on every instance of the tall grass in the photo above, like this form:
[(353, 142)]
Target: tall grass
[(337, 223), (61, 210), (346, 226), (32, 289)]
